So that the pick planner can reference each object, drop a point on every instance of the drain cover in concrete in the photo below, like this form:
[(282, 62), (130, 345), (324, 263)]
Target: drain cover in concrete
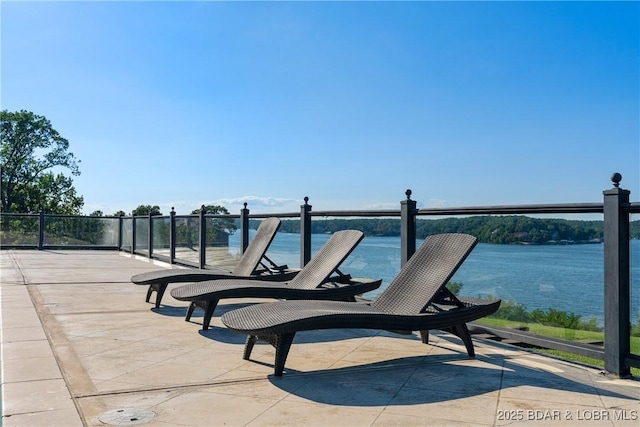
[(126, 416)]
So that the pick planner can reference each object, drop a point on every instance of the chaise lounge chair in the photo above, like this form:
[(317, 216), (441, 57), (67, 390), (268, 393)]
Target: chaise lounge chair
[(251, 266), (416, 300), (314, 281)]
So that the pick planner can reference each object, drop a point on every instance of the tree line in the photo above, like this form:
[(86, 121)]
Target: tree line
[(510, 229)]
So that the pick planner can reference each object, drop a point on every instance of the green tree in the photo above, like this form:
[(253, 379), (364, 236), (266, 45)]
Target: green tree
[(455, 287), (146, 210), (52, 194), (212, 209), (30, 149), (217, 228)]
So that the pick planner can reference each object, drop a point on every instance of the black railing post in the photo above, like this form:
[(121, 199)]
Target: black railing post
[(244, 228), (617, 299), (407, 228), (120, 230), (41, 230), (305, 232), (133, 233), (150, 236), (203, 237), (172, 236)]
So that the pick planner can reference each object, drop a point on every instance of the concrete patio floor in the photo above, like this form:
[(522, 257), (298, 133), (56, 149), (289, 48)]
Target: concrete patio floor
[(80, 347)]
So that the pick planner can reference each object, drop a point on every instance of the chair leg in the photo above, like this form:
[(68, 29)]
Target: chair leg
[(424, 335), (160, 292), (192, 307), (248, 346), (149, 291), (208, 313), (462, 332), (283, 344)]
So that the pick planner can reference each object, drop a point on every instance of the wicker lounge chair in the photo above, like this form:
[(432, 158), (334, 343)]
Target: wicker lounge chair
[(251, 266), (416, 300), (314, 281)]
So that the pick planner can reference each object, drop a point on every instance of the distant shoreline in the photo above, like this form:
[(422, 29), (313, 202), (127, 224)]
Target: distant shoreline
[(563, 242), (511, 229)]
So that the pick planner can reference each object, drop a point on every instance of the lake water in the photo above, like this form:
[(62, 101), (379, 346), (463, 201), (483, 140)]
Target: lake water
[(564, 277)]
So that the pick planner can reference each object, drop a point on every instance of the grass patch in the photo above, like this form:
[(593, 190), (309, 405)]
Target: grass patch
[(565, 334), (547, 331)]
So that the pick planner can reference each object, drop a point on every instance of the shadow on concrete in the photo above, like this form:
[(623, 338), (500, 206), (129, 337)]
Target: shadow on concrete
[(431, 379)]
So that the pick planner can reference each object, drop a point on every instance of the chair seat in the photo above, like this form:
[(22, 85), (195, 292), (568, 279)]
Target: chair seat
[(293, 316), (236, 288), (251, 265)]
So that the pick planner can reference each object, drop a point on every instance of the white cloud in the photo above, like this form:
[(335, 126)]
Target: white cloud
[(433, 203), (260, 205), (382, 206), (437, 203), (256, 200), (255, 204)]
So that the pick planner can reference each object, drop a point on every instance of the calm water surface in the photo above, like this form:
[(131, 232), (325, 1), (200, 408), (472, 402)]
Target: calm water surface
[(568, 278)]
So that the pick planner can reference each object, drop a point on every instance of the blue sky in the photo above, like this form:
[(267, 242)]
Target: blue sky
[(348, 103)]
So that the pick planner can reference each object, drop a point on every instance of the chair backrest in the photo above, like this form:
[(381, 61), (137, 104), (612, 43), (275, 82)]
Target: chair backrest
[(429, 269), (327, 260), (258, 246)]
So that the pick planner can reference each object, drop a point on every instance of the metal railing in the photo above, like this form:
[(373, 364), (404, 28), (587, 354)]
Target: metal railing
[(159, 236)]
